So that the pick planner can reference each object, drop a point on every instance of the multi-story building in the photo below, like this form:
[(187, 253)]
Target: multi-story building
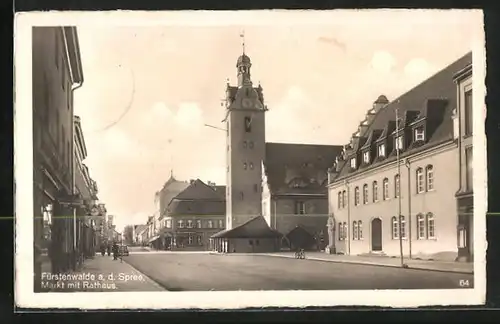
[(382, 207), (465, 194), (193, 216), (138, 234), (86, 190), (284, 183), (57, 72)]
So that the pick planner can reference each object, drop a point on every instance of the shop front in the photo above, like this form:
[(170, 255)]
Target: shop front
[(465, 230)]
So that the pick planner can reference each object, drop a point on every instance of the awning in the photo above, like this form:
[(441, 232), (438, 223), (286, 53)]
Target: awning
[(154, 238)]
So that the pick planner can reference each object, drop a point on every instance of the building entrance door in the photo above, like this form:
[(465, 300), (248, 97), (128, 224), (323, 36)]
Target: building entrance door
[(376, 234)]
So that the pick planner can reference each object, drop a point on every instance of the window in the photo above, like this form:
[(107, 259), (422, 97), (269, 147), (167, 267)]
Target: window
[(250, 242), (395, 228), (190, 224), (256, 188), (345, 230), (468, 169), (341, 232), (168, 223), (468, 112), (430, 226), (356, 196), (353, 163), (210, 224), (251, 166), (257, 242), (420, 180), (300, 207), (244, 144), (354, 230), (365, 194), (198, 223), (221, 223), (419, 134), (344, 199), (242, 196), (430, 177), (397, 186), (375, 191), (360, 230), (403, 227), (399, 143), (198, 239), (366, 157), (339, 199), (248, 124), (420, 227), (180, 223), (245, 165), (381, 150), (385, 190), (250, 144), (190, 239)]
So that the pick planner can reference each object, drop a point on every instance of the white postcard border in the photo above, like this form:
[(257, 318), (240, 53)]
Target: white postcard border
[(23, 166)]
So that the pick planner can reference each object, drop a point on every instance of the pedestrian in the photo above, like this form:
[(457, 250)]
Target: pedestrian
[(115, 251)]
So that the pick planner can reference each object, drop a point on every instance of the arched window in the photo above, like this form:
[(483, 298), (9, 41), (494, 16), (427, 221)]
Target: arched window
[(375, 191), (345, 230), (344, 198), (339, 200), (420, 180), (360, 230), (429, 173), (385, 192), (421, 227), (341, 230), (356, 196), (431, 229), (354, 230), (365, 194), (244, 165), (395, 228), (397, 186)]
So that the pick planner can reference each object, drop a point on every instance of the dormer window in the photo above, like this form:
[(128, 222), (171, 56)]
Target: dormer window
[(419, 134), (399, 142), (353, 163), (366, 157), (381, 150)]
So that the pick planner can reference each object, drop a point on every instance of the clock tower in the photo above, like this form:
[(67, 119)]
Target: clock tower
[(245, 124)]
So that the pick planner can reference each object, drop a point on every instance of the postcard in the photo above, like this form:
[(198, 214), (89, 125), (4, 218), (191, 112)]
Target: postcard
[(226, 160)]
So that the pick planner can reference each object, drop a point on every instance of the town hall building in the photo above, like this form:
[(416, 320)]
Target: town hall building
[(276, 195)]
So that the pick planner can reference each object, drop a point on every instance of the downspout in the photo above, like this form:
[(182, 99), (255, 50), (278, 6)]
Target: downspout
[(346, 182), (73, 164), (410, 230)]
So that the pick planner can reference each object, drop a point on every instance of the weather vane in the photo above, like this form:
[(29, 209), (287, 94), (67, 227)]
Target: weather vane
[(242, 35)]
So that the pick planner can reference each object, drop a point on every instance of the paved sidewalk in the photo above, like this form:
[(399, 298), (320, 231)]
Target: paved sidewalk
[(443, 266), (103, 274)]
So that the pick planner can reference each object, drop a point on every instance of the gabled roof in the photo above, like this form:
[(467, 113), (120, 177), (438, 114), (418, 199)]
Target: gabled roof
[(170, 189), (221, 190), (254, 228), (304, 161), (426, 99), (140, 228), (198, 198)]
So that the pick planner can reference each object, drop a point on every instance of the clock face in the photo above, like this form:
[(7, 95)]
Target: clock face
[(247, 103)]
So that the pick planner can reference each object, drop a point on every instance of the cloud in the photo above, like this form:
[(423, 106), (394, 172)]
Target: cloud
[(383, 62), (418, 68), (189, 115)]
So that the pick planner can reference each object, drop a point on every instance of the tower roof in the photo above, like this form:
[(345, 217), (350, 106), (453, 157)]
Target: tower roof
[(243, 59)]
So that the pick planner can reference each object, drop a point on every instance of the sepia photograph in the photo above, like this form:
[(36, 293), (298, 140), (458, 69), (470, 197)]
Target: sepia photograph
[(259, 154)]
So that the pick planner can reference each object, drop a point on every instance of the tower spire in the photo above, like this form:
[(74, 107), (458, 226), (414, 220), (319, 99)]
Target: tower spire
[(242, 35)]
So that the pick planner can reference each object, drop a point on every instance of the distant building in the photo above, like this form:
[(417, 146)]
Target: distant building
[(192, 216), (138, 234), (366, 190), (284, 183), (465, 195)]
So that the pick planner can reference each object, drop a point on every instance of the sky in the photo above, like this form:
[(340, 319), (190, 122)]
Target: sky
[(149, 90)]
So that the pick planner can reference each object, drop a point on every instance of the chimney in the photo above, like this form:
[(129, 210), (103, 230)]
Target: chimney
[(363, 126), (191, 181)]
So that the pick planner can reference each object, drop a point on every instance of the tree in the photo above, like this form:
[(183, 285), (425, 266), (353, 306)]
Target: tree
[(128, 233)]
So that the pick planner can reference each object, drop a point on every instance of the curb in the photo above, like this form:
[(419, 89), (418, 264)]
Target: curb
[(371, 264)]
